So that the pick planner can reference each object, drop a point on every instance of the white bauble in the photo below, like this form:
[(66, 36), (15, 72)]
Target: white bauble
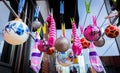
[(15, 32)]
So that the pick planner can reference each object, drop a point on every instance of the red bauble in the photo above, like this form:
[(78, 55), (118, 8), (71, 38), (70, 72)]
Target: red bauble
[(112, 31), (85, 43), (50, 51)]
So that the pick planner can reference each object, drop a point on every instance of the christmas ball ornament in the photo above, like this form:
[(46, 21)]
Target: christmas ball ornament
[(65, 58), (85, 43), (92, 33), (100, 42), (50, 50), (112, 31), (36, 24), (15, 32), (62, 44), (43, 46)]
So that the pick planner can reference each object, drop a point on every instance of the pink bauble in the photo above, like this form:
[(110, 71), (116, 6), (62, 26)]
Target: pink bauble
[(43, 46), (92, 33)]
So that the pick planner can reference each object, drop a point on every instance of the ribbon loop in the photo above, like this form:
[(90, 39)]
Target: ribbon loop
[(37, 10), (21, 5)]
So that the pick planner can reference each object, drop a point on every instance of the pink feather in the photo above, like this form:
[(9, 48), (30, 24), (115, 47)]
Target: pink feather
[(52, 30), (76, 47)]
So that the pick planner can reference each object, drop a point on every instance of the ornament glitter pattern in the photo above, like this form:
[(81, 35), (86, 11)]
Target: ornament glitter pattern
[(15, 32)]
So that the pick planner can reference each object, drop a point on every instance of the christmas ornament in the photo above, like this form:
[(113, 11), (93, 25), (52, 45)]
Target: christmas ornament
[(65, 58), (62, 44), (15, 32), (100, 42), (112, 31), (85, 43)]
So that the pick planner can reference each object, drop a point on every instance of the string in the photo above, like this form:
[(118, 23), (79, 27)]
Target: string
[(21, 6), (108, 48), (37, 10)]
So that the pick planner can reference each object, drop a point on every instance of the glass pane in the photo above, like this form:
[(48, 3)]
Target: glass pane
[(4, 15)]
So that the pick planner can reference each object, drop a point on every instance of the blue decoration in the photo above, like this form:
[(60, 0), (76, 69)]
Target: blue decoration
[(20, 30), (9, 27), (21, 5), (37, 10), (61, 7), (15, 32)]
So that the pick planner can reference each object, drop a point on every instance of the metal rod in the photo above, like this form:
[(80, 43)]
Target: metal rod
[(108, 48), (100, 10), (11, 10)]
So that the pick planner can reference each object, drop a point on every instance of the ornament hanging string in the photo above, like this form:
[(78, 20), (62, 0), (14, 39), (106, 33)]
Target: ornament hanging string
[(37, 10), (20, 6)]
